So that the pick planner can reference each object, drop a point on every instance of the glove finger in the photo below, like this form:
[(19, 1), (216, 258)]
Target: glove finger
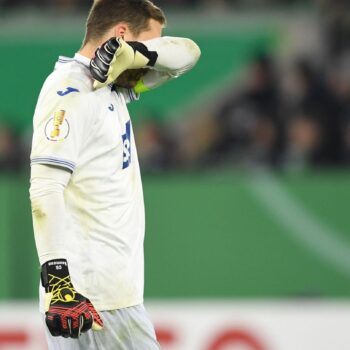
[(65, 326), (97, 320), (112, 46), (98, 85), (103, 60), (96, 327), (105, 54), (80, 325), (53, 323), (74, 327), (70, 326), (87, 322), (65, 333), (97, 74)]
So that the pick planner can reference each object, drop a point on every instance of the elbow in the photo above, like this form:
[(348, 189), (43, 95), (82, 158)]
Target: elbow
[(38, 194), (189, 53), (194, 51), (38, 211), (39, 217)]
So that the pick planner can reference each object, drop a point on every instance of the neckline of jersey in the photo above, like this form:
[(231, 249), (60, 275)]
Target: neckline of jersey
[(82, 59), (85, 61)]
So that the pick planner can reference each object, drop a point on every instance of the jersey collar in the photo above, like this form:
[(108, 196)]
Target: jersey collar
[(82, 59)]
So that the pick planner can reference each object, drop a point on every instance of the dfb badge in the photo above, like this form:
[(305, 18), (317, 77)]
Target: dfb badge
[(127, 145), (57, 128)]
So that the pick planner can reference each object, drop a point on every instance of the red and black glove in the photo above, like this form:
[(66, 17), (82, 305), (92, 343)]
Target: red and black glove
[(68, 313)]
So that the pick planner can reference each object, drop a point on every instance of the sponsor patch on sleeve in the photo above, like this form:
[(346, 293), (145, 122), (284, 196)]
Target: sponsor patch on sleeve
[(57, 128)]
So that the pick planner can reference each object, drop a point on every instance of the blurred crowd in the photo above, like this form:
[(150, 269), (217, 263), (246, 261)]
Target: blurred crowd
[(290, 116), (79, 4), (12, 149), (295, 119), (292, 120)]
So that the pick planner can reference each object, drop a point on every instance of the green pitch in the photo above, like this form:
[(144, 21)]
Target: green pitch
[(228, 235)]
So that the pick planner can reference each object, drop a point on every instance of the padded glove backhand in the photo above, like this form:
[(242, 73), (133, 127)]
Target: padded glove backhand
[(116, 56), (68, 313)]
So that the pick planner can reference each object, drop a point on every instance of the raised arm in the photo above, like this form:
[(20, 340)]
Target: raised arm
[(165, 57), (176, 56)]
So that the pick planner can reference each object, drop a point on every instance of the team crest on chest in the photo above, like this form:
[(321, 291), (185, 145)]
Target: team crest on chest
[(127, 145), (57, 128)]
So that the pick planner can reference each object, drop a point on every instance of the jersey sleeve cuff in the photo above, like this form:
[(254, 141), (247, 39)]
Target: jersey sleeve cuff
[(133, 96), (59, 162)]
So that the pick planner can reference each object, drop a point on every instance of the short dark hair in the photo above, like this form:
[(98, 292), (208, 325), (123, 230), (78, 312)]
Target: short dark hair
[(105, 14)]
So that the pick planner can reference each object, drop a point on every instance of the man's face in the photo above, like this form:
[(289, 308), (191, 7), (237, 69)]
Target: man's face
[(129, 78)]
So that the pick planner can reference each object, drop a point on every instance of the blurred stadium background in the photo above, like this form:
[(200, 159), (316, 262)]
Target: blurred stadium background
[(245, 167)]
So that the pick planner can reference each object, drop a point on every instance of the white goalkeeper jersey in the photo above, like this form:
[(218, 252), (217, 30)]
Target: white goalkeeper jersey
[(90, 134)]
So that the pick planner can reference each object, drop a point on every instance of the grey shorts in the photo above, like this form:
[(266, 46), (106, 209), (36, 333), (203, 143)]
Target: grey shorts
[(124, 329)]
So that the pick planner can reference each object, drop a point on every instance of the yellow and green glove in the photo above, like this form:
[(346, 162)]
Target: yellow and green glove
[(116, 56)]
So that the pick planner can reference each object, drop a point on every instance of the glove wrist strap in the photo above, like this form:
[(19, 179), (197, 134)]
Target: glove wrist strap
[(56, 269)]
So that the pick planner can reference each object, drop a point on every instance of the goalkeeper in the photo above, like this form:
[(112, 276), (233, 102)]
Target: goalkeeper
[(86, 191)]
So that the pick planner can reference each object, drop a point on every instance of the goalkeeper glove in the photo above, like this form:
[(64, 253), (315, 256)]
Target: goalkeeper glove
[(68, 313), (116, 56)]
